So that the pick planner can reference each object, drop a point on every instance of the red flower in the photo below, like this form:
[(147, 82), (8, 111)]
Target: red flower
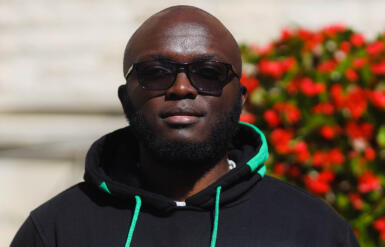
[(279, 168), (366, 130), (356, 201), (319, 158), (294, 171), (272, 68), (319, 184), (356, 102), (358, 63), (280, 139), (375, 48), (379, 68), (378, 98), (319, 87), (313, 41), (286, 34), (324, 108), (345, 46), (309, 88), (368, 182), (332, 30), (335, 156), (328, 132), (379, 224), (292, 87), (249, 82), (276, 68), (354, 130), (337, 95), (291, 113), (305, 34), (370, 154), (326, 176), (288, 63), (247, 118), (264, 50), (272, 118), (351, 75), (301, 151), (327, 158), (357, 39), (327, 66)]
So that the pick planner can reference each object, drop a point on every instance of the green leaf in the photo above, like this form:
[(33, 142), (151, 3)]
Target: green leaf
[(381, 136), (342, 201), (366, 74), (257, 97)]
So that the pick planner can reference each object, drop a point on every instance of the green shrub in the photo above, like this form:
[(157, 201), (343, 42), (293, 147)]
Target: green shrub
[(320, 99)]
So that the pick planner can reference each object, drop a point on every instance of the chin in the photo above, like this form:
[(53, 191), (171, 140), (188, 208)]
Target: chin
[(186, 134)]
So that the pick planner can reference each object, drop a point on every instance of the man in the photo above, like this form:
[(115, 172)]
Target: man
[(185, 173)]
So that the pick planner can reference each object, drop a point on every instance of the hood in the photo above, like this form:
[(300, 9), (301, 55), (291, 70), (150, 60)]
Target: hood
[(112, 166)]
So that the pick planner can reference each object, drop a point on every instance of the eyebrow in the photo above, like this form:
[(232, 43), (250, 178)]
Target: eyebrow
[(199, 57)]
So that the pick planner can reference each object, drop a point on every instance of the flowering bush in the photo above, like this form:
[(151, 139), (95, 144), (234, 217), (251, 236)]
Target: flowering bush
[(320, 99)]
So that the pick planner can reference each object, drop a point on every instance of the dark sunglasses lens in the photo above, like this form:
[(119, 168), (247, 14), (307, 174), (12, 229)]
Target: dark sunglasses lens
[(155, 75), (209, 76)]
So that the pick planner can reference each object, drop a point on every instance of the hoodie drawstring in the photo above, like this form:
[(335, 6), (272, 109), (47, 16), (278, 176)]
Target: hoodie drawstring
[(216, 218), (138, 203)]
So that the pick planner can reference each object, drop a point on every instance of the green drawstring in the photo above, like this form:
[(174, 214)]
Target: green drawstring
[(138, 203), (216, 216)]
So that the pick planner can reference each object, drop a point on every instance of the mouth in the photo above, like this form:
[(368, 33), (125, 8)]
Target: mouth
[(181, 117)]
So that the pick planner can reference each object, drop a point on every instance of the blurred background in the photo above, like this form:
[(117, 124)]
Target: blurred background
[(61, 65)]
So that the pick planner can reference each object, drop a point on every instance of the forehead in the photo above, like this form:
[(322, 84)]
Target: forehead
[(182, 42)]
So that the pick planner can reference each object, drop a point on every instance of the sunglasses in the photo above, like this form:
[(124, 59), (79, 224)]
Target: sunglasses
[(208, 77)]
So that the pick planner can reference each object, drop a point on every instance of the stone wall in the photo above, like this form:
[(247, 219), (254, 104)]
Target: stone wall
[(60, 66)]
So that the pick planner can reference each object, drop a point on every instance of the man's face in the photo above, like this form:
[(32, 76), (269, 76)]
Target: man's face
[(181, 114)]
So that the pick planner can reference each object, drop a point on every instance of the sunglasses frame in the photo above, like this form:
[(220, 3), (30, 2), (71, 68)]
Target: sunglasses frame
[(183, 67)]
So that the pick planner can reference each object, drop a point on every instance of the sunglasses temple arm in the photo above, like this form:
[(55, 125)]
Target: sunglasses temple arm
[(128, 71), (235, 71)]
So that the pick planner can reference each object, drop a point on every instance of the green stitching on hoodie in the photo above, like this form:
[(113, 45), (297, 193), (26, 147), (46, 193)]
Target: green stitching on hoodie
[(261, 156), (103, 186)]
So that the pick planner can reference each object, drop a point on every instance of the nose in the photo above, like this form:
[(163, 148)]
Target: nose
[(182, 88)]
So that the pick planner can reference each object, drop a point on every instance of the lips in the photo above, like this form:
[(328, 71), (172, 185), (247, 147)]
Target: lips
[(178, 116)]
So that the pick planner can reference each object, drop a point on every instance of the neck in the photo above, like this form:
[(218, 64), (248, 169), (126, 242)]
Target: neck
[(178, 181)]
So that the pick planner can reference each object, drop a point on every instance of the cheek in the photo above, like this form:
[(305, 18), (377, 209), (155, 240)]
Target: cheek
[(139, 96), (149, 110), (229, 97)]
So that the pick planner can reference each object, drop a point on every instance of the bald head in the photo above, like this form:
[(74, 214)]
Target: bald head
[(182, 33)]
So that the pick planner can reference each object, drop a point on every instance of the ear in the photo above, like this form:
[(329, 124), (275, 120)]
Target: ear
[(123, 97), (122, 92), (243, 94)]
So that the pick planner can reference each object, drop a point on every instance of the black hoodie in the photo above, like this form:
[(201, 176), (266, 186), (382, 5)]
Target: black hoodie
[(243, 208)]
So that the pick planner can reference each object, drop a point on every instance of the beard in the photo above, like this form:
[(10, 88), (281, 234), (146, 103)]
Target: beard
[(190, 154)]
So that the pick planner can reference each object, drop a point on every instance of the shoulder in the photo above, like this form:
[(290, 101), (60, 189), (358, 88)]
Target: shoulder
[(66, 215), (41, 224), (66, 199), (288, 213), (284, 191), (67, 205), (291, 202)]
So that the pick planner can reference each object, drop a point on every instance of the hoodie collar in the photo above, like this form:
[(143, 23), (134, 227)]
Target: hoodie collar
[(111, 165)]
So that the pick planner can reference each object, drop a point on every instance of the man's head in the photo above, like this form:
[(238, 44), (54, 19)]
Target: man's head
[(182, 123)]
